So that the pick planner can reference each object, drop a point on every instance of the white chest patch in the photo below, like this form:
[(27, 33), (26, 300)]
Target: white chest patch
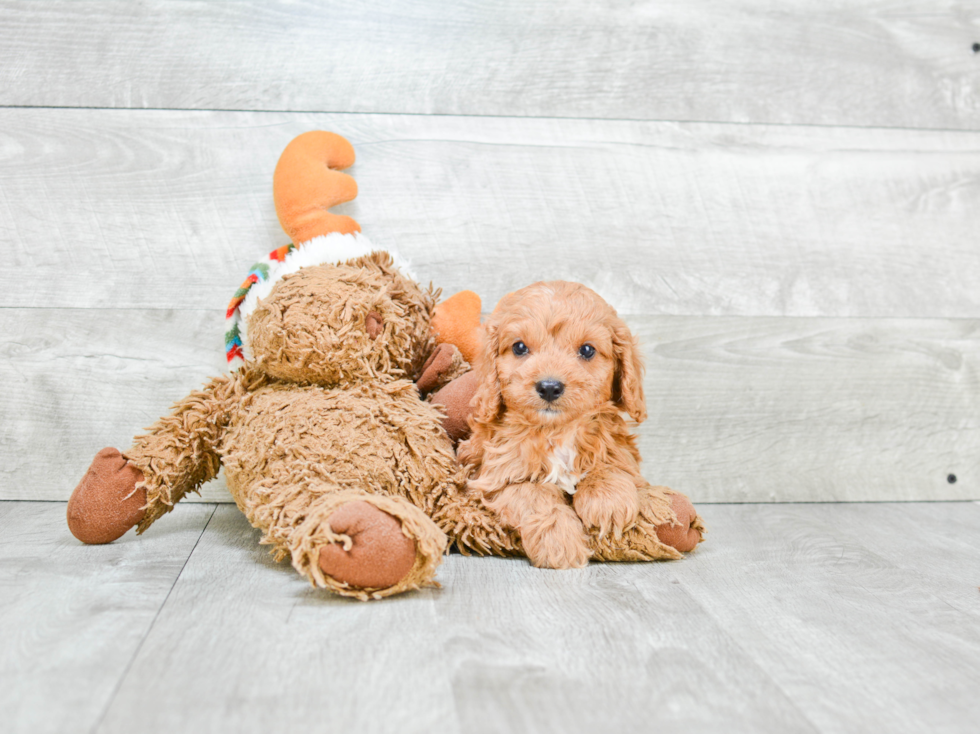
[(563, 468)]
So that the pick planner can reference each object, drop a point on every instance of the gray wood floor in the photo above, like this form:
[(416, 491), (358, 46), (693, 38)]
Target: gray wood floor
[(793, 618)]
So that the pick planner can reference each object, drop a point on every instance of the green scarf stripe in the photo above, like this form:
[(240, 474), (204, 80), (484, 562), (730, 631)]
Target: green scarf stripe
[(231, 335)]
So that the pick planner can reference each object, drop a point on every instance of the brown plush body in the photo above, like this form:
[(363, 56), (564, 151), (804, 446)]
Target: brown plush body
[(324, 416), (294, 454)]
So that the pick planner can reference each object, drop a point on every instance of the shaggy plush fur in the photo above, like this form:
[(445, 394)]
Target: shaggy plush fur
[(324, 416), (564, 472), (315, 330)]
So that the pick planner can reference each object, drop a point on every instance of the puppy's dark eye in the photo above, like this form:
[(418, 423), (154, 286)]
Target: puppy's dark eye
[(520, 349), (586, 351)]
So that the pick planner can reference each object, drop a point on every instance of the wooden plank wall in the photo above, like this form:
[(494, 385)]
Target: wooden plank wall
[(784, 199), (882, 63)]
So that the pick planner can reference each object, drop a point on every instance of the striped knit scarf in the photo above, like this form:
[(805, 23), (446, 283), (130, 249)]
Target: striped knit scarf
[(257, 274)]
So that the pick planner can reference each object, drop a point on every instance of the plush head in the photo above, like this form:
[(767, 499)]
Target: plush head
[(329, 309), (340, 324), (555, 351)]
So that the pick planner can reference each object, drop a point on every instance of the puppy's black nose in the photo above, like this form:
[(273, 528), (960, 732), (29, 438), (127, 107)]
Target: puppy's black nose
[(550, 390)]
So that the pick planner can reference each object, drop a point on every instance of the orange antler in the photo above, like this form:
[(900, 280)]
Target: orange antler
[(308, 181)]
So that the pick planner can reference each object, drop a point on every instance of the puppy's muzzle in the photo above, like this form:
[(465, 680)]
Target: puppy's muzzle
[(550, 390)]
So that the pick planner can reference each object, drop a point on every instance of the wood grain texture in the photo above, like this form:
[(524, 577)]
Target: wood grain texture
[(879, 63), (83, 379), (790, 618), (145, 209), (613, 647), (247, 645), (812, 410), (502, 647), (73, 616), (856, 640), (936, 544), (741, 409)]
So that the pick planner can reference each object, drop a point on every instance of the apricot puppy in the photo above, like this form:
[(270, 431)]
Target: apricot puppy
[(551, 452)]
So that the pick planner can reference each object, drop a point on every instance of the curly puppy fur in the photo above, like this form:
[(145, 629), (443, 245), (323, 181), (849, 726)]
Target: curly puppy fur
[(561, 471)]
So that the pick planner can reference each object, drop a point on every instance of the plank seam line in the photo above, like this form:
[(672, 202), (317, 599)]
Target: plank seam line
[(737, 123), (136, 652)]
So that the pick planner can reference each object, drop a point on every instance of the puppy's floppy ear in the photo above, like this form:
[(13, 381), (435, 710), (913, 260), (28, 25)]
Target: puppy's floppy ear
[(488, 402), (628, 380)]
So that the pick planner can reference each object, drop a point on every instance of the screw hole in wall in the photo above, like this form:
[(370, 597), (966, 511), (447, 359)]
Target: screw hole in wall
[(951, 479), (976, 48)]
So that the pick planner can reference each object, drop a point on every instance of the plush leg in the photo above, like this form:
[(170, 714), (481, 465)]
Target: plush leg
[(107, 502), (179, 452), (355, 543), (472, 526)]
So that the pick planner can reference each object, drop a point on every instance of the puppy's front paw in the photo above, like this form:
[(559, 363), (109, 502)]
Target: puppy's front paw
[(609, 506), (557, 541)]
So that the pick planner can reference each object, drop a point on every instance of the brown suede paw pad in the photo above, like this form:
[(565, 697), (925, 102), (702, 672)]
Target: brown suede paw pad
[(438, 363), (104, 506), (683, 536), (380, 554), (455, 398)]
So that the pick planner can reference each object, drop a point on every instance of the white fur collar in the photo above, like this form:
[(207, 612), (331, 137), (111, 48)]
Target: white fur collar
[(329, 248)]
